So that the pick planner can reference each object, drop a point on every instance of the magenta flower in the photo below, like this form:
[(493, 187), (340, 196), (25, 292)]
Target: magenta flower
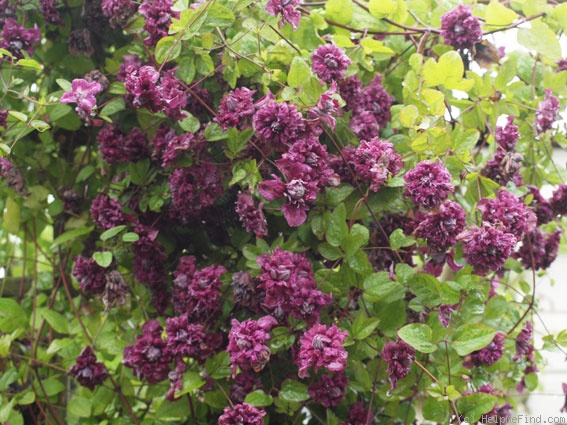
[(540, 206), (119, 12), (299, 193), (91, 276), (251, 216), (279, 124), (539, 249), (242, 414), (329, 63), (5, 168), (507, 136), (374, 162), (504, 167), (321, 347), (445, 312), (107, 212), (561, 65), (460, 28), (236, 108), (558, 200), (17, 39), (87, 371), (193, 189), (196, 292), (399, 357), (359, 414), (149, 356), (486, 248), (547, 112), (487, 355), (284, 273), (158, 14), (329, 390), (50, 13), (247, 343), (524, 343), (190, 340), (508, 211), (441, 229), (83, 94), (370, 108), (428, 184), (287, 10)]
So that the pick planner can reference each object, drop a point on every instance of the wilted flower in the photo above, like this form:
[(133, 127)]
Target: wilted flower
[(524, 343), (287, 10), (119, 12), (251, 216), (558, 200), (80, 43), (399, 357), (50, 13), (460, 28), (539, 249)]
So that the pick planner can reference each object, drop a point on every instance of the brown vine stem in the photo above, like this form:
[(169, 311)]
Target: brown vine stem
[(517, 23), (364, 198), (115, 386)]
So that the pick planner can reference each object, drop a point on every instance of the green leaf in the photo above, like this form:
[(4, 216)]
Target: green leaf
[(356, 239), (499, 15), (12, 216), (335, 195), (53, 386), (191, 381), (299, 72), (218, 16), (30, 63), (214, 132), (259, 398), (103, 259), (435, 410), (418, 335), (130, 237), (339, 11), (71, 235), (139, 170), (382, 8), (168, 48), (379, 286), (40, 125), (20, 116), (64, 84), (475, 405), (427, 289), (115, 105), (11, 315), (363, 326), (58, 322), (408, 115), (399, 240), (293, 391), (110, 233), (435, 101), (330, 252), (6, 341), (190, 123), (359, 263), (472, 337), (337, 228), (541, 39), (80, 406)]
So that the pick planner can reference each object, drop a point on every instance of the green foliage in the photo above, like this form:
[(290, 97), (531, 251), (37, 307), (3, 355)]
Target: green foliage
[(361, 250)]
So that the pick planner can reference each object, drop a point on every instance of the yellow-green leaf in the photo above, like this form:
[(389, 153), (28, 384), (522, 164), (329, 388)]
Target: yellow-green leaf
[(382, 8), (541, 39), (12, 216), (499, 15), (339, 11)]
